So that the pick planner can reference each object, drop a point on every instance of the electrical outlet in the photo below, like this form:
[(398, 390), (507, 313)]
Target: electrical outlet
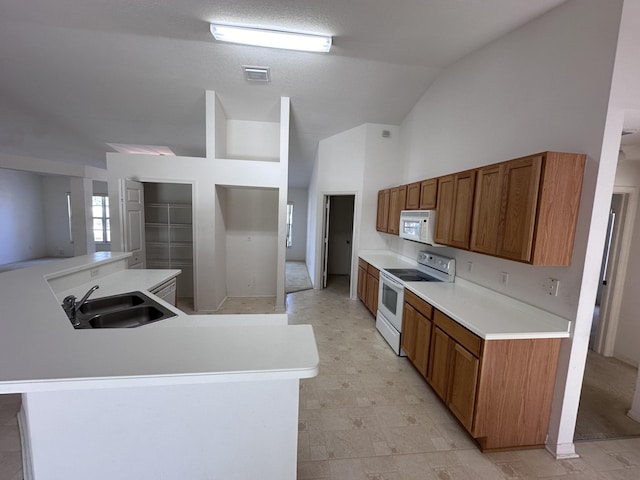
[(469, 267), (504, 278), (551, 286)]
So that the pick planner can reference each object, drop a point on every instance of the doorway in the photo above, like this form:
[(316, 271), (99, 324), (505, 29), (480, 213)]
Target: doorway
[(612, 273), (338, 239), (608, 383)]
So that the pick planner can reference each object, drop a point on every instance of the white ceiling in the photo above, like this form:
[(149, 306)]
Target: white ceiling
[(77, 74)]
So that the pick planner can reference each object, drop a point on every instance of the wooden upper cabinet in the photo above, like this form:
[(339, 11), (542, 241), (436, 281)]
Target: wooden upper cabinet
[(413, 196), (455, 207), (397, 201), (446, 187), (527, 209), (519, 204), (486, 211), (428, 194), (422, 195), (382, 219), (558, 204)]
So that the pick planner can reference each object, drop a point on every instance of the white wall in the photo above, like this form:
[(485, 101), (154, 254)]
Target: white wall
[(358, 161), (298, 196), (253, 140), (251, 219), (384, 167), (22, 225), (339, 168), (209, 176), (54, 192), (542, 87), (628, 333)]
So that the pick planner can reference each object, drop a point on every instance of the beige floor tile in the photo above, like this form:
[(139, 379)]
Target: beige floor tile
[(9, 439), (347, 469), (10, 465), (311, 470), (349, 444)]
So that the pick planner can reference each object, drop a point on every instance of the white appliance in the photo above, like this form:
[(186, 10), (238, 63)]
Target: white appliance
[(418, 225), (430, 268)]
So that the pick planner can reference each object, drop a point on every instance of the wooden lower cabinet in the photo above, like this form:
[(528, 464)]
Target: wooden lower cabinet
[(368, 276), (372, 290), (461, 398), (438, 373), (515, 389), (416, 331), (499, 390), (362, 280)]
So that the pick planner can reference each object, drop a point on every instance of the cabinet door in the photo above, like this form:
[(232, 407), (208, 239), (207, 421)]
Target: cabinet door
[(423, 340), (444, 215), (438, 370), (519, 206), (463, 209), (372, 294), (455, 207), (428, 191), (397, 201), (463, 379), (382, 219), (413, 196), (409, 324), (362, 283), (486, 209)]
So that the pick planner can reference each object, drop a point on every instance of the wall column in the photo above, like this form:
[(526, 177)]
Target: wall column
[(81, 218)]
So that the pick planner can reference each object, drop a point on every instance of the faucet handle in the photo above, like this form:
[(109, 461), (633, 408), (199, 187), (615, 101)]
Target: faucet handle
[(69, 302)]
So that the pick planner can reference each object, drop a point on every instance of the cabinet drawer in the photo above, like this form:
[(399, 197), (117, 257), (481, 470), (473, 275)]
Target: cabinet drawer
[(371, 270), (362, 263), (420, 305), (464, 337)]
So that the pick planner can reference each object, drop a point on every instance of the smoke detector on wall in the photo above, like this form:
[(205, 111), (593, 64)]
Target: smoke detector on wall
[(256, 74)]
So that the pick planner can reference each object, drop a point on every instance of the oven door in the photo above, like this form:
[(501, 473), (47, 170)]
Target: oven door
[(391, 300)]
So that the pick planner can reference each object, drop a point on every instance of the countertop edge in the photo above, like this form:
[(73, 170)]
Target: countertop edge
[(546, 329)]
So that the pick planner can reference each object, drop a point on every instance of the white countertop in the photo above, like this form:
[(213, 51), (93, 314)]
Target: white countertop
[(41, 351), (486, 313)]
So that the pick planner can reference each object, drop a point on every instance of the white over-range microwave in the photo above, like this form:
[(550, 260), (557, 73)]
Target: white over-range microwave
[(418, 225)]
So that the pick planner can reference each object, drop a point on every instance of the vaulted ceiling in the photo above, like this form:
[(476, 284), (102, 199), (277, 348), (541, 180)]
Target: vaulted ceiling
[(77, 74)]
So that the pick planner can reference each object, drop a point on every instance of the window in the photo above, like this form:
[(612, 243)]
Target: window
[(69, 216), (100, 213), (289, 224)]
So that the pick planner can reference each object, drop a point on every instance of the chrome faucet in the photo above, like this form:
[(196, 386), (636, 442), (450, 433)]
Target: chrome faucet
[(71, 307)]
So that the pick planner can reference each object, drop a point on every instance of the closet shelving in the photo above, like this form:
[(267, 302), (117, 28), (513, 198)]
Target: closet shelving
[(169, 238)]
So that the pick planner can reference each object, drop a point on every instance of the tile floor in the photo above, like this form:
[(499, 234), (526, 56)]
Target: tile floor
[(369, 415)]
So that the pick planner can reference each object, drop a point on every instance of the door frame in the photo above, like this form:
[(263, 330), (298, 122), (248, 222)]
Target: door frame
[(194, 214), (612, 300), (322, 198)]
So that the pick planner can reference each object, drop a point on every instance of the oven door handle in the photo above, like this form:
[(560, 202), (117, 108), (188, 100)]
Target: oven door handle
[(390, 280)]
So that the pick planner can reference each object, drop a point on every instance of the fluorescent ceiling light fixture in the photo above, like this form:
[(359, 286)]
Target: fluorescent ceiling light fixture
[(260, 37), (142, 149)]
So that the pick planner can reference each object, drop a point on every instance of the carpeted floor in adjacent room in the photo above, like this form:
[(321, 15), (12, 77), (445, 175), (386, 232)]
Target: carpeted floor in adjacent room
[(297, 277)]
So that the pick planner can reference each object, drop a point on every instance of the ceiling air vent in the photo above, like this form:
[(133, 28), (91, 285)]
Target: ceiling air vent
[(256, 74)]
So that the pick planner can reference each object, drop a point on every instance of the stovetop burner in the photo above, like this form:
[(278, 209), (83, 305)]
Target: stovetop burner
[(430, 268), (411, 275)]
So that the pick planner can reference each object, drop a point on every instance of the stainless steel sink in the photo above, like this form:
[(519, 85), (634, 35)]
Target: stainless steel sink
[(126, 310), (127, 317), (114, 302)]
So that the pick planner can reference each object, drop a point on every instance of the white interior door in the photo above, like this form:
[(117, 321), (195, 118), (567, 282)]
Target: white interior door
[(325, 239), (132, 201)]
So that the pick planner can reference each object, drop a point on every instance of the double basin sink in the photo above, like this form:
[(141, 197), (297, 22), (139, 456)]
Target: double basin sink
[(125, 310)]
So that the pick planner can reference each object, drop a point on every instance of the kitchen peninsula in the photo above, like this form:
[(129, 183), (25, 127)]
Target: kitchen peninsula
[(196, 399)]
